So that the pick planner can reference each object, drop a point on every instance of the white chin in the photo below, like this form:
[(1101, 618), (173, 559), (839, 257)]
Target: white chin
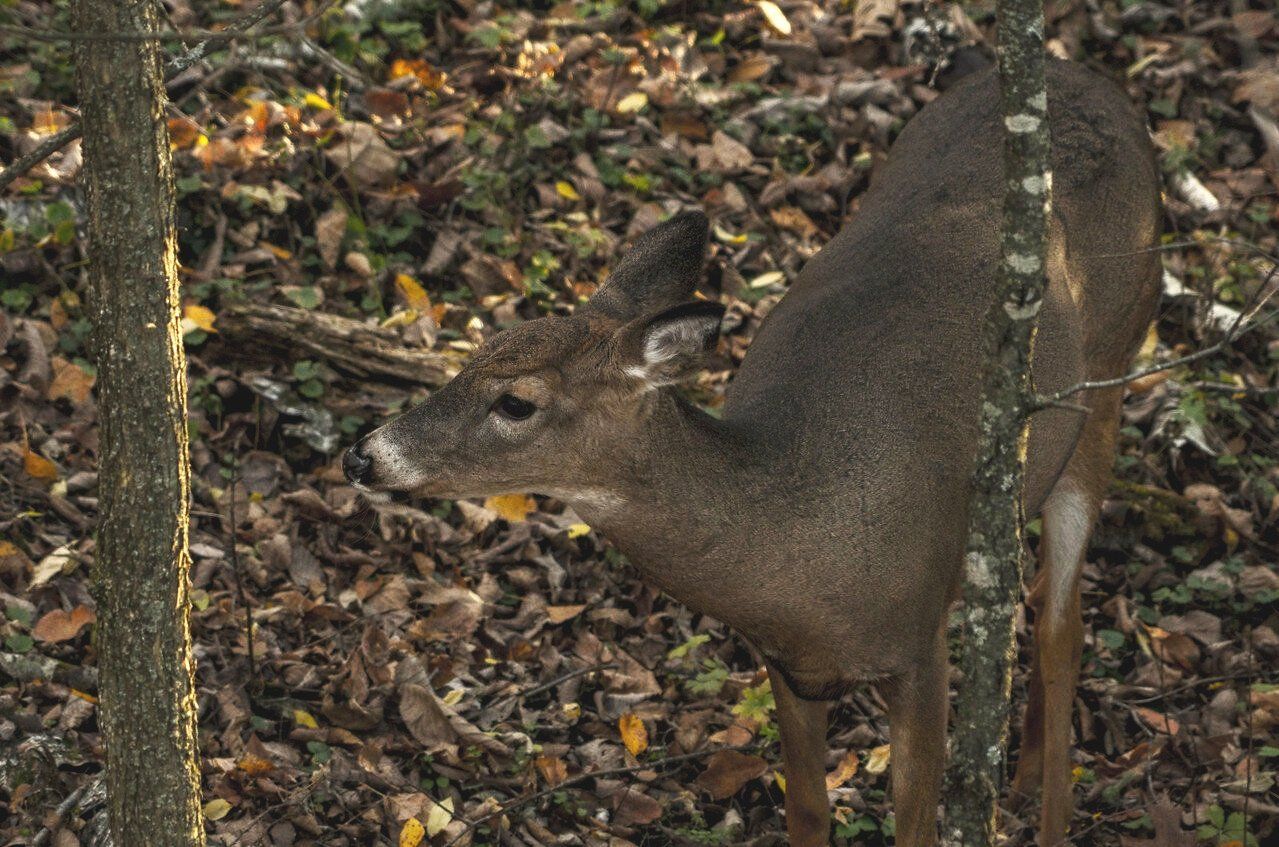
[(374, 496)]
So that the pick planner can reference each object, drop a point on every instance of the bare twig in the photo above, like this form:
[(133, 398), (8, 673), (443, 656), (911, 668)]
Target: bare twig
[(180, 63), (507, 808), (547, 686), (1242, 326)]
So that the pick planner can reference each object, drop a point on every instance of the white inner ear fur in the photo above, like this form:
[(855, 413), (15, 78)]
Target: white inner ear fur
[(669, 340)]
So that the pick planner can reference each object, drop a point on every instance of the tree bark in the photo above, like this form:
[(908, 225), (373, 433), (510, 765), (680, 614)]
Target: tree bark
[(992, 590), (148, 713)]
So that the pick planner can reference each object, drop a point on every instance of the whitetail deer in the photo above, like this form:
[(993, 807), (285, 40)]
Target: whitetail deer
[(824, 515)]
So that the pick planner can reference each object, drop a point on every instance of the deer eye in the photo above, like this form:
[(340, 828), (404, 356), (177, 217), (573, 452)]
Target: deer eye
[(514, 408)]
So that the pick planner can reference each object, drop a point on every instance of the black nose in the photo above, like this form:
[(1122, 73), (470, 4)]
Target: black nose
[(356, 465)]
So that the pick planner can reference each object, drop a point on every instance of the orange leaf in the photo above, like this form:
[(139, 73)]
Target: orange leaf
[(196, 316), (38, 467), (183, 133), (844, 772), (62, 626), (420, 70), (511, 507), (552, 769), (634, 733), (254, 765)]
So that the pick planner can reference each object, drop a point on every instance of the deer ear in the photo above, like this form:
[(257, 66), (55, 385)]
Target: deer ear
[(668, 347), (659, 271)]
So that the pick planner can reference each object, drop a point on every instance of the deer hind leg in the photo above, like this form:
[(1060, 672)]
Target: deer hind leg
[(1068, 517), (802, 725), (917, 708)]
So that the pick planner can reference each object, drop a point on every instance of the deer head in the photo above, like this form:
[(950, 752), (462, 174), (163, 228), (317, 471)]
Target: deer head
[(548, 406)]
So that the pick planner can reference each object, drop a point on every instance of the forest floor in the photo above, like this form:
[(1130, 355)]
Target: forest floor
[(439, 170)]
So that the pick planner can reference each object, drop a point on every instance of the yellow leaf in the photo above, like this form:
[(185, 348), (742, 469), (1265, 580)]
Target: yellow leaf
[(577, 530), (196, 316), (634, 733), (454, 697), (844, 772), (566, 190), (511, 507), (413, 292), (780, 779), (774, 16), (301, 717), (877, 761), (439, 817), (38, 467), (412, 833), (315, 101), (632, 102), (404, 317), (215, 810)]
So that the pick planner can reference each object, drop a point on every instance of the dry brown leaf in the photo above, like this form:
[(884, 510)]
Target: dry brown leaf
[(634, 733), (436, 726), (60, 625), (330, 228), (873, 18), (635, 808), (730, 154), (751, 68), (70, 381), (559, 614), (363, 155), (728, 771), (1174, 648), (1157, 721)]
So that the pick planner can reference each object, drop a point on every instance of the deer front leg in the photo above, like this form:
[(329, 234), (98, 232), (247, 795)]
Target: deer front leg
[(802, 724), (917, 709)]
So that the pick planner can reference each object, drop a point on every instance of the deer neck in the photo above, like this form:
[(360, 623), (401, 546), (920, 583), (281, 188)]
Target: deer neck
[(676, 496)]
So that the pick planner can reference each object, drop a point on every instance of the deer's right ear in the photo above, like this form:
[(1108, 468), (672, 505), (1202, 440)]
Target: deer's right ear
[(668, 347), (659, 271)]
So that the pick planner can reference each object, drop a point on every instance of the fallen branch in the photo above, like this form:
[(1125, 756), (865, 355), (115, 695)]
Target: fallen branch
[(350, 346)]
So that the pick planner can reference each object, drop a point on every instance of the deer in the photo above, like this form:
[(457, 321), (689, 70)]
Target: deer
[(823, 515)]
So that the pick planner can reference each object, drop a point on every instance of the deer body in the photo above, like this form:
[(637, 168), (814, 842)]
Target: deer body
[(824, 516)]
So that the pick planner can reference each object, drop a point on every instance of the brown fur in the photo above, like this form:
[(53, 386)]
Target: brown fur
[(824, 517)]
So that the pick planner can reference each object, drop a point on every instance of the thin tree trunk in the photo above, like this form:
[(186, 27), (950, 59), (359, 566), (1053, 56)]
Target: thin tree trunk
[(148, 713), (992, 590)]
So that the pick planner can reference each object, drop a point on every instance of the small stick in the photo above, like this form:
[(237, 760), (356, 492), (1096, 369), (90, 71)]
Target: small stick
[(546, 686), (584, 777)]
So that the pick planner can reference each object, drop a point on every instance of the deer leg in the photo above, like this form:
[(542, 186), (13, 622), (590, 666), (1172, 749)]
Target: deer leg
[(1068, 517), (917, 708), (802, 725)]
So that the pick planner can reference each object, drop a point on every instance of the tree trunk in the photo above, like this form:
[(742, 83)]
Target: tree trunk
[(148, 714), (992, 590)]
